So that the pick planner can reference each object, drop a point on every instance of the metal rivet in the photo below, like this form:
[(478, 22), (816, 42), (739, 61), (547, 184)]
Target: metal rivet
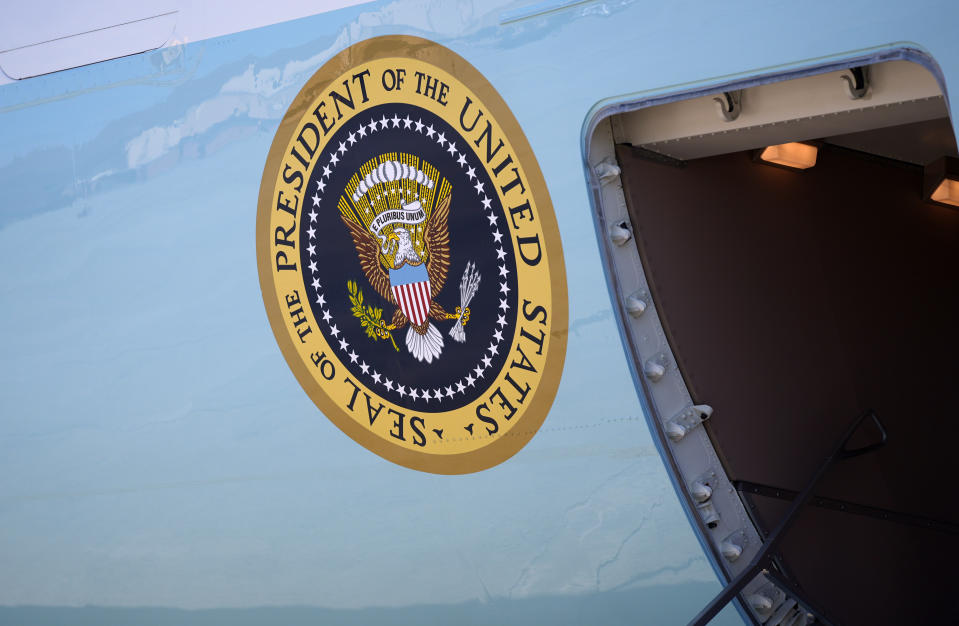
[(760, 603), (654, 370), (700, 491), (619, 234), (731, 548), (635, 305), (675, 431)]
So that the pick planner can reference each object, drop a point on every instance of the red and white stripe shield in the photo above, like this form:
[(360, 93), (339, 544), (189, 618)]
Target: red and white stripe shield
[(411, 288)]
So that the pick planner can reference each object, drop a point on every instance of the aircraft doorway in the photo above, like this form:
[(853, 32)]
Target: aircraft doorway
[(781, 301)]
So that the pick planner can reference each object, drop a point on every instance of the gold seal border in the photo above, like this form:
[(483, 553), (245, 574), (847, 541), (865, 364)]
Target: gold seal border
[(511, 442)]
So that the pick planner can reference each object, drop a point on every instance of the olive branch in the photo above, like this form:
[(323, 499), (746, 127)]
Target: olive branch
[(371, 318)]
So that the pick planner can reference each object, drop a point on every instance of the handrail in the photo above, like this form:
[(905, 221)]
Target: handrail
[(763, 560)]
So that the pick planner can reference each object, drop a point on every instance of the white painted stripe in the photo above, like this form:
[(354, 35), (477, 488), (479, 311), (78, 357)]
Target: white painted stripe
[(424, 289), (401, 300), (417, 306), (418, 295), (407, 308), (51, 36), (418, 298), (412, 303)]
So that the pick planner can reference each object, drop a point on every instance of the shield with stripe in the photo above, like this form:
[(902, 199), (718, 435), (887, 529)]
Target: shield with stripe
[(411, 288)]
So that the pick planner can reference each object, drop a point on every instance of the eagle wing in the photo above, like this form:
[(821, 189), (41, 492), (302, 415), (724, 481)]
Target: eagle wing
[(438, 245), (368, 250)]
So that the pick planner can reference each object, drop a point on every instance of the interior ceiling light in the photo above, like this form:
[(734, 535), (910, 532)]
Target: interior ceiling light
[(794, 156), (940, 183)]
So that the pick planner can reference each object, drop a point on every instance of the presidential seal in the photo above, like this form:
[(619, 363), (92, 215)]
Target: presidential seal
[(409, 258)]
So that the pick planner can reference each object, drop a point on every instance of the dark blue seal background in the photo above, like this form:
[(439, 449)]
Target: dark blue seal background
[(455, 375)]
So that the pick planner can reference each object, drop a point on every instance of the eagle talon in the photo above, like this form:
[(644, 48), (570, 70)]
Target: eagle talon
[(459, 312), (383, 331)]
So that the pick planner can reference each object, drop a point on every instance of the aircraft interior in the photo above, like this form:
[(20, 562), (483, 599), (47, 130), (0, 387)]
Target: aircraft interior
[(800, 290)]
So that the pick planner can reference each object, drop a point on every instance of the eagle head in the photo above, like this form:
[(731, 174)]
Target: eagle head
[(404, 249)]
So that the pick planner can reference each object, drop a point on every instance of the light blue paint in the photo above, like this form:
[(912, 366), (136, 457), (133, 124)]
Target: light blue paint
[(155, 449), (409, 274)]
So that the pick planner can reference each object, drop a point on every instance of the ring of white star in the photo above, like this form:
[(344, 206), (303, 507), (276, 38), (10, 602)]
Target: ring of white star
[(348, 351)]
